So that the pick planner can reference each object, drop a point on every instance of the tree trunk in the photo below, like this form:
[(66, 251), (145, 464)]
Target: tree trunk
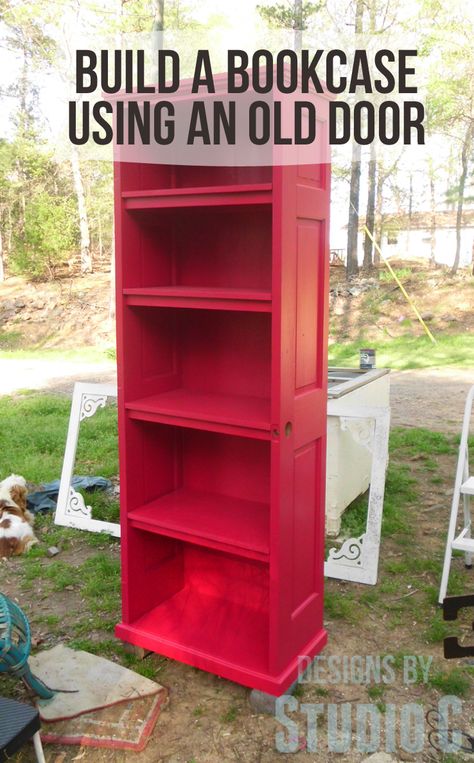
[(9, 234), (410, 213), (379, 212), (432, 220), (298, 25), (99, 233), (23, 125), (2, 268), (370, 216), (23, 120), (466, 149), (158, 23), (354, 192), (86, 259), (353, 224)]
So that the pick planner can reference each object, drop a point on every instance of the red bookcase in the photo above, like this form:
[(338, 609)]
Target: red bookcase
[(222, 323)]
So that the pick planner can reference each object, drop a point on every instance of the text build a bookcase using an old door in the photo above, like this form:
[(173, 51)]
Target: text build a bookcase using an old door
[(222, 280)]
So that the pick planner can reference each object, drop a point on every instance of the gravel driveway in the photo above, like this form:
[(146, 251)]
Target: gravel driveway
[(52, 375), (430, 397)]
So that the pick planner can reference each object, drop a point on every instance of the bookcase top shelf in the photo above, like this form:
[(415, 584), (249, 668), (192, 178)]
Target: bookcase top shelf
[(212, 520), (209, 196), (213, 298)]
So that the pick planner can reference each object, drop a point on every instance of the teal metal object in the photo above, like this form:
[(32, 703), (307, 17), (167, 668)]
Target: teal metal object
[(15, 645)]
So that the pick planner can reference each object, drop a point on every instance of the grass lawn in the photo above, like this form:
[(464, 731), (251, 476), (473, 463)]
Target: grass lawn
[(75, 596), (406, 352), (33, 438)]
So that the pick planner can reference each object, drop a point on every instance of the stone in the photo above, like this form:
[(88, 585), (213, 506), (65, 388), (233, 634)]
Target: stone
[(262, 702), (137, 651), (406, 756), (7, 315), (52, 551)]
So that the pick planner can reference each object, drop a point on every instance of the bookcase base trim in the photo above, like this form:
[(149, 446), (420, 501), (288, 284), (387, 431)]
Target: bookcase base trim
[(275, 685)]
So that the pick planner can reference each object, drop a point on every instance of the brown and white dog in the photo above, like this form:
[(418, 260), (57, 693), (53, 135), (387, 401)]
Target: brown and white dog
[(16, 522)]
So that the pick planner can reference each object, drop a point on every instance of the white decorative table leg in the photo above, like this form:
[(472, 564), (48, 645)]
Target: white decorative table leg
[(358, 558)]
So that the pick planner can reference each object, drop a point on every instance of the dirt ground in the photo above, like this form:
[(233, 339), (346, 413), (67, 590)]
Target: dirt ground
[(375, 307), (65, 313), (431, 398)]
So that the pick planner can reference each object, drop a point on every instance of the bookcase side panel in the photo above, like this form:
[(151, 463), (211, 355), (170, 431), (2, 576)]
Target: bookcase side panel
[(299, 452)]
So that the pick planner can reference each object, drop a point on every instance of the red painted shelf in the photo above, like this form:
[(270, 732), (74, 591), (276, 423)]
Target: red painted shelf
[(207, 519), (252, 412), (220, 634), (251, 300), (213, 196)]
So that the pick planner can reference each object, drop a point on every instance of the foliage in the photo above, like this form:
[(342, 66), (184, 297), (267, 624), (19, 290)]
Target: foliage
[(286, 16), (451, 91), (49, 235)]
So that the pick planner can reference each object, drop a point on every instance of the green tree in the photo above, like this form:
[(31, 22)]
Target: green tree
[(451, 91), (294, 14), (48, 236)]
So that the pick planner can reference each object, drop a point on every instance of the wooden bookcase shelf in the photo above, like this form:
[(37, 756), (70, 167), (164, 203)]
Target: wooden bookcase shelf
[(222, 278), (199, 643), (252, 412), (221, 250), (216, 298), (209, 519), (226, 195)]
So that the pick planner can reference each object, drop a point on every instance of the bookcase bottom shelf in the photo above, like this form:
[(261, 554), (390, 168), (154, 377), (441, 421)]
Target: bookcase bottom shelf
[(205, 631), (219, 637)]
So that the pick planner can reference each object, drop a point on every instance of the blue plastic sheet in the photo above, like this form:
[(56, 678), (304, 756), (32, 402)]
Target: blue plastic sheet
[(46, 499)]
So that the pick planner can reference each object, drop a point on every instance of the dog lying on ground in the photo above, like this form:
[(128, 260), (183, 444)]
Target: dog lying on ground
[(16, 522)]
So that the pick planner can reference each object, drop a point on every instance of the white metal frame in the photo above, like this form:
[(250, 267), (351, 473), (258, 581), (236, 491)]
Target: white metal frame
[(38, 748), (463, 485), (357, 560), (71, 511)]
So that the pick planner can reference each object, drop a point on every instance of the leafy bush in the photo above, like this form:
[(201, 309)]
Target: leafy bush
[(49, 235)]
